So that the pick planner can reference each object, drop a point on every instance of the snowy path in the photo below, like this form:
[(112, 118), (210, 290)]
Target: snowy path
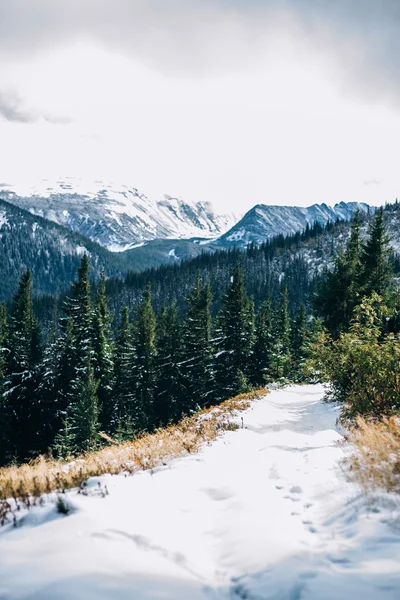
[(262, 514)]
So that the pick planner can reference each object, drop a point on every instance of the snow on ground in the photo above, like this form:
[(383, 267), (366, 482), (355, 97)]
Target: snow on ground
[(264, 513)]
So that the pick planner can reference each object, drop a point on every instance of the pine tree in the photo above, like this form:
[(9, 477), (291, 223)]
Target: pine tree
[(145, 367), (82, 410), (4, 408), (299, 343), (170, 397), (23, 374), (262, 350), (82, 414), (197, 363), (236, 336), (376, 268), (341, 290), (103, 357), (124, 396), (280, 363)]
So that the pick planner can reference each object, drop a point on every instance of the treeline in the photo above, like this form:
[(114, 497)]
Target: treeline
[(93, 377), (264, 266), (359, 302)]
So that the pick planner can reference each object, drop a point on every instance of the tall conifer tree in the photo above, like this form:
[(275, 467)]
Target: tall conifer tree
[(197, 365), (236, 337), (145, 367), (262, 350), (103, 357), (124, 381), (23, 373), (376, 268), (170, 398)]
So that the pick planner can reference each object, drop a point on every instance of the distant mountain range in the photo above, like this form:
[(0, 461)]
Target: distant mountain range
[(121, 217), (124, 231), (266, 221)]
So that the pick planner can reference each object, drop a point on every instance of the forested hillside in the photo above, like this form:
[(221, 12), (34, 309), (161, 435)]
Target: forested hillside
[(296, 261), (50, 251), (136, 370)]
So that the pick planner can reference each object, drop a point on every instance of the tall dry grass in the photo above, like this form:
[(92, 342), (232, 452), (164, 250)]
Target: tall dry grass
[(26, 484), (376, 461)]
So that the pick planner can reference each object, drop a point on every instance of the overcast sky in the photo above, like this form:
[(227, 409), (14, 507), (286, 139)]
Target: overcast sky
[(234, 101)]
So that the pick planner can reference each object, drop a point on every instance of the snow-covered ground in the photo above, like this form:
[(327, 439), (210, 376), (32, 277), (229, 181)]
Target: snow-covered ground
[(265, 513)]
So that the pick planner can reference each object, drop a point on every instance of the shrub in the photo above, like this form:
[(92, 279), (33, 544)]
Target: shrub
[(363, 365), (376, 461)]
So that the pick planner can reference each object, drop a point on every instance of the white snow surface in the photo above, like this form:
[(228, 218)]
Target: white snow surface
[(264, 513)]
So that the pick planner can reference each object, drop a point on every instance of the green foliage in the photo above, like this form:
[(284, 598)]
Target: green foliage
[(236, 335), (359, 271), (362, 364), (171, 398), (280, 363), (123, 375), (145, 367), (198, 350), (103, 359), (263, 346)]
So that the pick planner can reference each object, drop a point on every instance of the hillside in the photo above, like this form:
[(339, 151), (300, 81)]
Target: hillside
[(52, 252), (296, 261), (252, 516)]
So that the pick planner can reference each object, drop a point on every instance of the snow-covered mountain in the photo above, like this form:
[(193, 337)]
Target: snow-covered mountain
[(265, 221), (119, 217)]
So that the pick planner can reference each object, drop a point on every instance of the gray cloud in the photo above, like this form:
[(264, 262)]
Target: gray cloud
[(358, 38), (13, 110)]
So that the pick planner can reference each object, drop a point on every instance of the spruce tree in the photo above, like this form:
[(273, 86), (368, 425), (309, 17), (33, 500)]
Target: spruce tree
[(340, 291), (145, 367), (197, 363), (170, 398), (280, 363), (262, 350), (376, 267), (4, 407), (299, 342), (236, 336), (103, 357), (23, 374), (124, 393), (82, 410)]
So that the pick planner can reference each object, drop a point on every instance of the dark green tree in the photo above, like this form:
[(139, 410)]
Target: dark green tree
[(82, 411), (340, 291), (103, 357), (145, 363), (4, 412), (280, 364), (262, 350), (197, 364), (236, 336), (170, 398), (376, 266), (124, 381), (23, 372), (299, 343)]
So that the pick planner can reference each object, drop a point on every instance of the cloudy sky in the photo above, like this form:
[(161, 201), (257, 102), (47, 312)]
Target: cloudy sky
[(234, 101)]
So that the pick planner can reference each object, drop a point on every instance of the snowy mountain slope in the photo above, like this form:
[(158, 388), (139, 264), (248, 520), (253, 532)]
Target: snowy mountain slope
[(263, 513), (119, 217), (265, 221), (52, 252)]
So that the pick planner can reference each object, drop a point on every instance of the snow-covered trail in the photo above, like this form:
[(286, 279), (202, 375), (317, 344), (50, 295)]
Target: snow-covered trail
[(264, 513)]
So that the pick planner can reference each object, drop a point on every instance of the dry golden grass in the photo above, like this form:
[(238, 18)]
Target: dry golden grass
[(29, 482), (376, 462)]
